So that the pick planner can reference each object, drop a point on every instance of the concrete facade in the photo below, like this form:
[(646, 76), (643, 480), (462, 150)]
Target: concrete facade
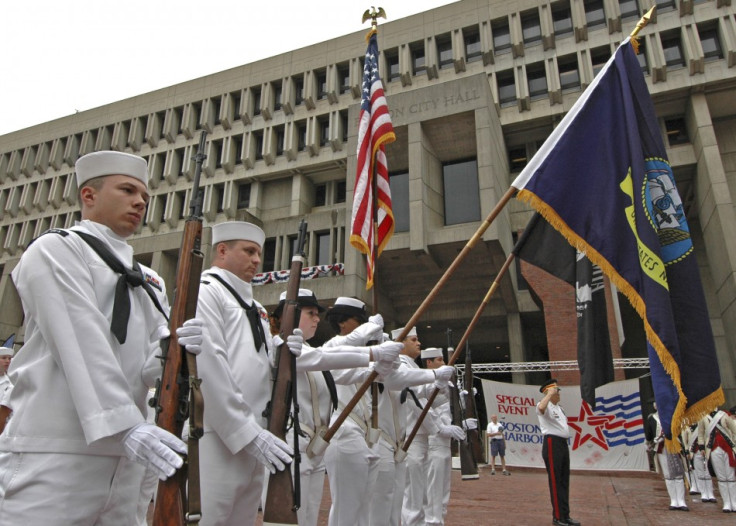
[(479, 81)]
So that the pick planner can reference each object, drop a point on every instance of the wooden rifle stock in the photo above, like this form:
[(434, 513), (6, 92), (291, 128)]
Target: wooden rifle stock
[(470, 411), (178, 395), (281, 501)]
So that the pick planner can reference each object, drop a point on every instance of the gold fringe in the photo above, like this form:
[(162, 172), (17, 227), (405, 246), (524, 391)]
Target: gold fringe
[(679, 416)]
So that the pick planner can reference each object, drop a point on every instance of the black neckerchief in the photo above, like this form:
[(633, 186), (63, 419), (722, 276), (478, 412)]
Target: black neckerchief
[(251, 312)]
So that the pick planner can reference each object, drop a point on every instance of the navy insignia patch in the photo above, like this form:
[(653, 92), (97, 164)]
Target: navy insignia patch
[(151, 280)]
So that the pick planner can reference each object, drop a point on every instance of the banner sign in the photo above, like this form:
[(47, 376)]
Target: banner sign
[(609, 437)]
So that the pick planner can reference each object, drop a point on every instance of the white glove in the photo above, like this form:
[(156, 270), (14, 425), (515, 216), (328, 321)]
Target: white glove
[(442, 376), (377, 319), (464, 392), (270, 451), (154, 448), (386, 352), (470, 423), (452, 432), (295, 341), (193, 335)]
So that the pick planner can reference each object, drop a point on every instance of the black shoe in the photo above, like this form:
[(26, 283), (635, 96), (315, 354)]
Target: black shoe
[(712, 500), (560, 522), (572, 522), (683, 508), (674, 508)]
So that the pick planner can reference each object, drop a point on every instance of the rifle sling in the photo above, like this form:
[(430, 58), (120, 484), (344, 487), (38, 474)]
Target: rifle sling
[(196, 430), (251, 312)]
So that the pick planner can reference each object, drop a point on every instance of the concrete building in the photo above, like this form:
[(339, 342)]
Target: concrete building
[(474, 89)]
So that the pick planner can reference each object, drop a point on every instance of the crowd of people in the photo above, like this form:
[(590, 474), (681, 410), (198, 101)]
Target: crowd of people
[(78, 443)]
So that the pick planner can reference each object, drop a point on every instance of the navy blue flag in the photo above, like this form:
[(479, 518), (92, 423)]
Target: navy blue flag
[(603, 180)]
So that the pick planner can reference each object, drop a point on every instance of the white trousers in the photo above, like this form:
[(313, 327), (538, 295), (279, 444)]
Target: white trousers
[(705, 482), (312, 483), (39, 489), (352, 468), (388, 493), (726, 478), (231, 485), (415, 492), (438, 480)]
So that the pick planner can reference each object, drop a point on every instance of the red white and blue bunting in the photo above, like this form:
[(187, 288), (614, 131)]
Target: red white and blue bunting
[(282, 276)]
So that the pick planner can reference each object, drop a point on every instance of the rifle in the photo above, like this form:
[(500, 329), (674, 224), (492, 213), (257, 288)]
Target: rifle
[(178, 393), (470, 412), (468, 464), (283, 499)]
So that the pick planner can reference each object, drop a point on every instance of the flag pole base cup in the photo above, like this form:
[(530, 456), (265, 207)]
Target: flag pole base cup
[(317, 446), (400, 455), (373, 436)]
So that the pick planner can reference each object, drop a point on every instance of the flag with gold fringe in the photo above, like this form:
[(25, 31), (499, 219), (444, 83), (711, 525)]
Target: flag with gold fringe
[(374, 132), (603, 180)]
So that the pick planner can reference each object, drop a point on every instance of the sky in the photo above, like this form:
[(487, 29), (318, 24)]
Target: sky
[(63, 56)]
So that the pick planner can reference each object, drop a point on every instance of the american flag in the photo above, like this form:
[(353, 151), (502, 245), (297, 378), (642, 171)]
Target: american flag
[(374, 131)]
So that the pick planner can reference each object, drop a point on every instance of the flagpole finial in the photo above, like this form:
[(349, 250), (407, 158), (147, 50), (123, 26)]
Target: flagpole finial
[(643, 21), (373, 14)]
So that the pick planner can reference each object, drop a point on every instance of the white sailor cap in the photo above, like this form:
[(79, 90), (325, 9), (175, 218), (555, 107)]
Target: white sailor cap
[(97, 164), (396, 333), (306, 298), (6, 351), (236, 231), (431, 352), (349, 307)]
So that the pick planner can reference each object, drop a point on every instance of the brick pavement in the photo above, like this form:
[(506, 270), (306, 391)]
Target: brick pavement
[(596, 499)]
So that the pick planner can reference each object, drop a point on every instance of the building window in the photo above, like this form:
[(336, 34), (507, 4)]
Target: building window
[(537, 79), (444, 51), (530, 28), (243, 195), (642, 56), (392, 64), (277, 91), (323, 248), (676, 131), (569, 74), (598, 58), (561, 19), (665, 5), (711, 43), (298, 90), (344, 122), (672, 50), (321, 84), (595, 15), (269, 255), (320, 195), (418, 59), (343, 77), (237, 147), (279, 140), (506, 88), (258, 135), (340, 192), (473, 50), (517, 159), (324, 130), (256, 94), (629, 9), (301, 133), (501, 36), (400, 200), (461, 193), (219, 196)]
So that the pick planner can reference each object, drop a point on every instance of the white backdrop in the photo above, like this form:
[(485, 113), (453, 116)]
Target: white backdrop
[(611, 437)]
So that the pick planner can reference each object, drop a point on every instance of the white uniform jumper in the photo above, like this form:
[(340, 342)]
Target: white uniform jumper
[(236, 386), (76, 388), (440, 466)]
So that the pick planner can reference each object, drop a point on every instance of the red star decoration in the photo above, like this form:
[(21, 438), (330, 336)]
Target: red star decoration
[(593, 425)]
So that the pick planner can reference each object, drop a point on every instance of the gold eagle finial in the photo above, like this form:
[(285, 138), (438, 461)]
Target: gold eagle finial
[(373, 14)]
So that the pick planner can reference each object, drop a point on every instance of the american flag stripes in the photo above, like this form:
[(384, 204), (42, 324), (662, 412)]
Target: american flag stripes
[(374, 131)]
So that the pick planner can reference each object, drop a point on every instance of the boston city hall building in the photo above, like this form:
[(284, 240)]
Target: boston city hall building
[(474, 89)]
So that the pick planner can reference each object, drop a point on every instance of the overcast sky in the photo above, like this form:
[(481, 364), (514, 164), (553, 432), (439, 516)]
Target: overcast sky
[(60, 56)]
